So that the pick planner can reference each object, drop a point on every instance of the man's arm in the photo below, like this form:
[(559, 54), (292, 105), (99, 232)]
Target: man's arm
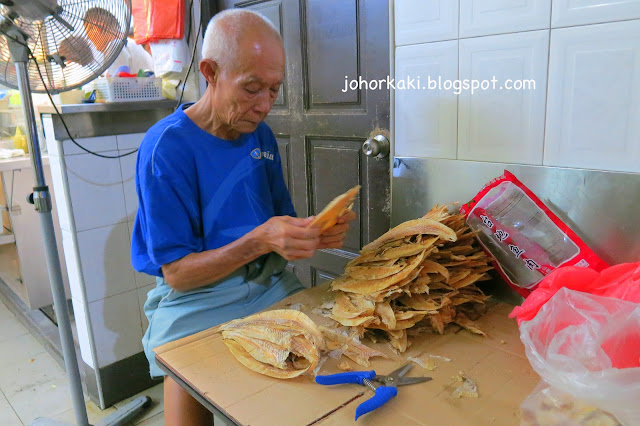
[(287, 236)]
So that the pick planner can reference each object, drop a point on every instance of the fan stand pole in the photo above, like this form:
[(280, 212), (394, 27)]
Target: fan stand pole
[(41, 198)]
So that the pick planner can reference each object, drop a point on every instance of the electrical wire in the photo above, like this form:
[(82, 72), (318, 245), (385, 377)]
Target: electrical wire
[(193, 56), (64, 124)]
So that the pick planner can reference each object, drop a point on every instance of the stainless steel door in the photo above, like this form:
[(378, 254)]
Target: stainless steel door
[(321, 127)]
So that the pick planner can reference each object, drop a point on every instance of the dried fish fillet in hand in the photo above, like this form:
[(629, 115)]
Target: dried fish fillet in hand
[(337, 207)]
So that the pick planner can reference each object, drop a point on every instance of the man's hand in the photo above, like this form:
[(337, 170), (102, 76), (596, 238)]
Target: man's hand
[(334, 236), (289, 237)]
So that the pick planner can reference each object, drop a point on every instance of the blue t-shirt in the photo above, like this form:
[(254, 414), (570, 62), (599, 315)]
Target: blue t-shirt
[(198, 192)]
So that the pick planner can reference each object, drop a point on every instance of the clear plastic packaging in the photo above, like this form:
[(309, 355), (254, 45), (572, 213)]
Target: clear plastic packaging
[(524, 237), (588, 347)]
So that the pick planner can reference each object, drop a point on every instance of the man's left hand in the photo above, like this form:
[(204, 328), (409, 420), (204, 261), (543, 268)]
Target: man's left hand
[(334, 236)]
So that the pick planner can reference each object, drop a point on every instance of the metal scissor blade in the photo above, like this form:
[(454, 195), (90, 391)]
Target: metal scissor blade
[(396, 374), (411, 380)]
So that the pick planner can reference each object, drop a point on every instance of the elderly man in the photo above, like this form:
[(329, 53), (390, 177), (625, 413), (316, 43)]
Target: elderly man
[(216, 224)]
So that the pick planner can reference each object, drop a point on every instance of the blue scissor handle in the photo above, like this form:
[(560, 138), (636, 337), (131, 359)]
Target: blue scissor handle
[(383, 394), (349, 377)]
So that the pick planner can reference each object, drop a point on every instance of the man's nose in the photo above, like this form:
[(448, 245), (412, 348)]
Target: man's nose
[(263, 104)]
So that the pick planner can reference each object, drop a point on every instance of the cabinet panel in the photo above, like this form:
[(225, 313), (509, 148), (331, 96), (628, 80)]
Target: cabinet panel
[(484, 17), (420, 21), (579, 12), (29, 240), (594, 97), (425, 118), (503, 124)]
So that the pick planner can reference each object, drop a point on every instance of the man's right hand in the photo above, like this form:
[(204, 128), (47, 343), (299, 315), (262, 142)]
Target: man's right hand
[(289, 236)]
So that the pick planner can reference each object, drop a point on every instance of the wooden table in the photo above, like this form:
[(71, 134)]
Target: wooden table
[(203, 366)]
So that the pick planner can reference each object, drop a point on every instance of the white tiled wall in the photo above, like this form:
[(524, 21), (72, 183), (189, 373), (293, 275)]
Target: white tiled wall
[(95, 190), (420, 21), (105, 261), (128, 169), (593, 113), (484, 17), (142, 280), (96, 219), (426, 120), (579, 12), (499, 124), (583, 55), (80, 318), (116, 327)]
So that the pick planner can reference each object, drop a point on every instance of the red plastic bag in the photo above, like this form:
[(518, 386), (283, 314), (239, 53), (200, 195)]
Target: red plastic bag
[(588, 346), (619, 281), (155, 20), (526, 240)]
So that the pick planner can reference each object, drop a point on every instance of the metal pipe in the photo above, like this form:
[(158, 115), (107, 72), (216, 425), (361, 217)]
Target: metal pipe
[(42, 200), (22, 73)]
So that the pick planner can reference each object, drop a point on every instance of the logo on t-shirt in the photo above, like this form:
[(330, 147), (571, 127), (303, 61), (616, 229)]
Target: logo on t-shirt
[(257, 154)]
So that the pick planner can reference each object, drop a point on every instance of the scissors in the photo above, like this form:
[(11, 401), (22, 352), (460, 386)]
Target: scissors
[(383, 392)]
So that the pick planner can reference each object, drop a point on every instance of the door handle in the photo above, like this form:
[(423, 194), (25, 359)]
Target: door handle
[(377, 146)]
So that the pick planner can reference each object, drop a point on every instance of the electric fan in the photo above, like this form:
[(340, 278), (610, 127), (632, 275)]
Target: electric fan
[(53, 46)]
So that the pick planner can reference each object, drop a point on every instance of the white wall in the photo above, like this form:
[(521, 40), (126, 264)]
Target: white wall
[(97, 208), (584, 57)]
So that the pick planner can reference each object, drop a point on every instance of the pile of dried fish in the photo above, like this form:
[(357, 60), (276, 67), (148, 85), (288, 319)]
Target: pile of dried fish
[(286, 343), (282, 343), (418, 275)]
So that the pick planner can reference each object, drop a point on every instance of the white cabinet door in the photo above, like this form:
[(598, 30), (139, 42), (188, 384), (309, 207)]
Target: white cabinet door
[(421, 21), (503, 124), (425, 119), (484, 17), (579, 12), (594, 97)]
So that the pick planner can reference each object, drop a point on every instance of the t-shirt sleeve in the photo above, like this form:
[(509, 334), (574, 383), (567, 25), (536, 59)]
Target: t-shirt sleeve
[(168, 196), (282, 205)]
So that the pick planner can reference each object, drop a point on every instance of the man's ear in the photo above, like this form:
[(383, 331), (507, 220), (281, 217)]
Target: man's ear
[(210, 70)]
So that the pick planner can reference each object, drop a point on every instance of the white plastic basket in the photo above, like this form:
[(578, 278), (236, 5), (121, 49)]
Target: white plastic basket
[(126, 89)]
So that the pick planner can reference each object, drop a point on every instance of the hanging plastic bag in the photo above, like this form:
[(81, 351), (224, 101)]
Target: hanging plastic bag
[(155, 20), (586, 346), (169, 56), (525, 238)]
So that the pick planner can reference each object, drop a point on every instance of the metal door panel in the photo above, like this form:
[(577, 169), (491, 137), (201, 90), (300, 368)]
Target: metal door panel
[(320, 129)]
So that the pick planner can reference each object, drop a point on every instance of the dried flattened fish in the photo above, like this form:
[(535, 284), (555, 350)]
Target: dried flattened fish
[(351, 347), (372, 286), (282, 343), (367, 272), (351, 306), (464, 321), (337, 207), (429, 266), (384, 311), (413, 227), (345, 366), (467, 388)]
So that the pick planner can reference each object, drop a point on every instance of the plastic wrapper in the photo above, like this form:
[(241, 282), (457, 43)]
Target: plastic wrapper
[(586, 346), (155, 20), (619, 281), (526, 240), (548, 406), (169, 56)]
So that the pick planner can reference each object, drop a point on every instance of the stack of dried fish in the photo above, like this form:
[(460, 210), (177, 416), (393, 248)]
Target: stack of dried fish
[(286, 343), (419, 275), (282, 343)]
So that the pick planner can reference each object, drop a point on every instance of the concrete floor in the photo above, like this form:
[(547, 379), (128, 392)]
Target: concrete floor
[(33, 385)]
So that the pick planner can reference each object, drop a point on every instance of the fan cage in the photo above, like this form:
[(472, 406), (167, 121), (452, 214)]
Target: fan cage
[(100, 29)]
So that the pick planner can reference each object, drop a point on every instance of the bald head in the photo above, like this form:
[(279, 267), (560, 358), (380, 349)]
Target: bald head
[(234, 31)]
